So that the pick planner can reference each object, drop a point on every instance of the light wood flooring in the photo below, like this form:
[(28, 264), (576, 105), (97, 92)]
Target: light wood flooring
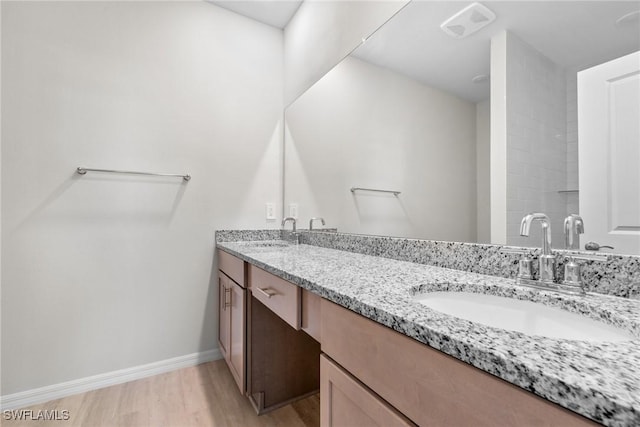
[(200, 396)]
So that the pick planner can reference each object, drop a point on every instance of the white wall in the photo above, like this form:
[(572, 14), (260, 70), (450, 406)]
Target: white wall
[(483, 170), (105, 272), (321, 33), (498, 152), (365, 126)]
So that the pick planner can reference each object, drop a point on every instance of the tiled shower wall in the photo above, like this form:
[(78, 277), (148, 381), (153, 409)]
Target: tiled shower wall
[(536, 140)]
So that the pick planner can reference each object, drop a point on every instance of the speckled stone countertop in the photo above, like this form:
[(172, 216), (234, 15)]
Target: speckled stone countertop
[(598, 380)]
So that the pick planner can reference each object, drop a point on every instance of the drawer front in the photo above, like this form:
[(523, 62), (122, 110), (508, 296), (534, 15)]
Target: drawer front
[(232, 267), (280, 296)]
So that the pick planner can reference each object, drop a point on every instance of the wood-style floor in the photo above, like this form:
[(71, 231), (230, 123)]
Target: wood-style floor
[(200, 396)]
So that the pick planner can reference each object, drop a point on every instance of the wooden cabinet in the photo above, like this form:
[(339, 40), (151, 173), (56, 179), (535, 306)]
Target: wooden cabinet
[(425, 385), (232, 306), (347, 402), (271, 359), (310, 317), (283, 360), (233, 267), (232, 327), (224, 319), (237, 312)]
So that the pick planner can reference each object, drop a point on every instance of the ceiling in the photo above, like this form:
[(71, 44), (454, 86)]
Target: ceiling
[(276, 13), (573, 34)]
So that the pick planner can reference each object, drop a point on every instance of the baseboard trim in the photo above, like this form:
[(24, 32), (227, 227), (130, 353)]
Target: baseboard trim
[(82, 385)]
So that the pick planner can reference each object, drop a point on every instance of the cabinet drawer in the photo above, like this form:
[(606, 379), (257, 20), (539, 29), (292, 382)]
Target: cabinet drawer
[(280, 296), (232, 267)]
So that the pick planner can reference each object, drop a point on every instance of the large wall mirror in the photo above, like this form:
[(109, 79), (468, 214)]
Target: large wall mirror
[(410, 112)]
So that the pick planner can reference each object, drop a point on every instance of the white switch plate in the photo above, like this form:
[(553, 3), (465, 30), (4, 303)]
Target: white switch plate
[(270, 211), (293, 210)]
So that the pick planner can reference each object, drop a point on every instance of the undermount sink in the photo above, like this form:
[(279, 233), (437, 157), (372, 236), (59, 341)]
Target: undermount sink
[(527, 317)]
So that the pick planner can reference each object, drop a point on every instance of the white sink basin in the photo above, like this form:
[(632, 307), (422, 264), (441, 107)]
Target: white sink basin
[(523, 316)]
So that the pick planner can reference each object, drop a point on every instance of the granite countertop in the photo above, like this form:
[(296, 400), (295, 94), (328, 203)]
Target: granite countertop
[(599, 380)]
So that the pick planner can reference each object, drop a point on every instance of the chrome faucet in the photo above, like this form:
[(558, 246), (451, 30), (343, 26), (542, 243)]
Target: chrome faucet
[(547, 262), (295, 236), (290, 218), (315, 219), (573, 225)]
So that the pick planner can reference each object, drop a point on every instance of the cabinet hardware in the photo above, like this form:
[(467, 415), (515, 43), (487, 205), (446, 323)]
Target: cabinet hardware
[(227, 291), (267, 292)]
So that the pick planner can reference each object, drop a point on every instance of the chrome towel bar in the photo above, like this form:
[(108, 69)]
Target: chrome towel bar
[(394, 192), (83, 171)]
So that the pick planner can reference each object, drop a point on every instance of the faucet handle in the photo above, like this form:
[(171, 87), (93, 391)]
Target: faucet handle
[(573, 225), (525, 269), (572, 282)]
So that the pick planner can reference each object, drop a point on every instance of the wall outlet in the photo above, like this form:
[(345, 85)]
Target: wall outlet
[(293, 210), (270, 211)]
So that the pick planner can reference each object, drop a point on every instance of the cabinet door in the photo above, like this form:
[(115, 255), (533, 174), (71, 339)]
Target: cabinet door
[(344, 401), (224, 315), (236, 359)]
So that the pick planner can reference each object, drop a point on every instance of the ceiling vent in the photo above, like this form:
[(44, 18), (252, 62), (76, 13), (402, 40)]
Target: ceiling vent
[(468, 21)]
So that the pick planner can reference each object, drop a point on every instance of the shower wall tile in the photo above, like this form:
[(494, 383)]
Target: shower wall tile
[(536, 139)]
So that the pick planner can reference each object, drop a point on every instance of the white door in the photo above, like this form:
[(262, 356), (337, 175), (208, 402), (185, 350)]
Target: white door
[(609, 153)]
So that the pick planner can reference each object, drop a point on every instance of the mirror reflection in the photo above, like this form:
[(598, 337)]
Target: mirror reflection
[(472, 133)]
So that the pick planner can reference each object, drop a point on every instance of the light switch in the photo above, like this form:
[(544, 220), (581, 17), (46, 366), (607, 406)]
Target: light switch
[(293, 210), (271, 211)]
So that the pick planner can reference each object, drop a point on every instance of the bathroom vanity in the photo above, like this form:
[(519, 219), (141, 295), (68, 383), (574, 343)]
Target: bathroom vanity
[(384, 359), (260, 335)]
